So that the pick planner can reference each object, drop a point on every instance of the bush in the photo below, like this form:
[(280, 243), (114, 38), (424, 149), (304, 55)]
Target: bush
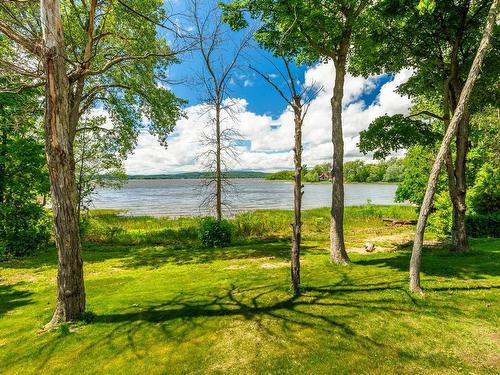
[(23, 229), (441, 219), (214, 233), (483, 225), (484, 197)]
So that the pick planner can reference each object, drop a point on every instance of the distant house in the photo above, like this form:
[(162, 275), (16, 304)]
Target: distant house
[(326, 176)]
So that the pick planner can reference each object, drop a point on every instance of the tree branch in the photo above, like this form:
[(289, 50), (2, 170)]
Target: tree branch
[(28, 44), (428, 114)]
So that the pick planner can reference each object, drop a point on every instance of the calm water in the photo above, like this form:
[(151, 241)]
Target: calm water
[(184, 197)]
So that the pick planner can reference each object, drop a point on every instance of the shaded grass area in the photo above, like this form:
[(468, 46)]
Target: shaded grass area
[(176, 308)]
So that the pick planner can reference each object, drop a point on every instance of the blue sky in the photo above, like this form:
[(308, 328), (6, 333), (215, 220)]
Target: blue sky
[(264, 121)]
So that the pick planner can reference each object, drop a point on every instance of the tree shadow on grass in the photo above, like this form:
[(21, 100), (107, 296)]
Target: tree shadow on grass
[(159, 256), (12, 298), (328, 310), (154, 256), (478, 264)]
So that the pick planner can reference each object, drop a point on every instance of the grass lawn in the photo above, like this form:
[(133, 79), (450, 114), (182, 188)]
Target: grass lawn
[(162, 305)]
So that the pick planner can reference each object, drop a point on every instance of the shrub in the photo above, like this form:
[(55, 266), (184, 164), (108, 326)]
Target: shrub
[(440, 220), (483, 225), (484, 197), (214, 233), (23, 229)]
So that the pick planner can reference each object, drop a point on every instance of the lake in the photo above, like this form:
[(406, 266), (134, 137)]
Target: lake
[(184, 197)]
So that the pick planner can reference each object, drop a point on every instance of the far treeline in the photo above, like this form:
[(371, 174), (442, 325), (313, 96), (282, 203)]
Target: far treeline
[(197, 175), (391, 170)]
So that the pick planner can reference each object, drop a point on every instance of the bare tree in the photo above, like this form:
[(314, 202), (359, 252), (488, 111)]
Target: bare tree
[(81, 62), (458, 116), (298, 97), (220, 55)]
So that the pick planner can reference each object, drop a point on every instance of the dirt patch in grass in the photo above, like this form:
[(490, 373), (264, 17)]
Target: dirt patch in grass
[(275, 265)]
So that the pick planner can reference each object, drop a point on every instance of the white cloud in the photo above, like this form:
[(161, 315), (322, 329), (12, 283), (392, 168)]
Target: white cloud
[(271, 147)]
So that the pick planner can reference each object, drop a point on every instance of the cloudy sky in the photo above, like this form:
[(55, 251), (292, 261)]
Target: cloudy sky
[(266, 139), (263, 121)]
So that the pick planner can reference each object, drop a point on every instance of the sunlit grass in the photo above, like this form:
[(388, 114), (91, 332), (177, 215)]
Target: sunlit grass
[(173, 307)]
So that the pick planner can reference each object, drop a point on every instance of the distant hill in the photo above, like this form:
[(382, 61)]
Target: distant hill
[(198, 175)]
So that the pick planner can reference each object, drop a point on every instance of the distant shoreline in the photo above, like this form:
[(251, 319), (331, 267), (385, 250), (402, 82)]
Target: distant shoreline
[(198, 175)]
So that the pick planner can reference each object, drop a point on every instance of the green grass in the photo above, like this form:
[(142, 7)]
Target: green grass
[(169, 306)]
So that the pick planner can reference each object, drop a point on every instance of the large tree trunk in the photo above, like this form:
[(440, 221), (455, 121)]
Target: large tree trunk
[(338, 253), (61, 165), (218, 168), (297, 197), (459, 241), (459, 234), (450, 170), (458, 116)]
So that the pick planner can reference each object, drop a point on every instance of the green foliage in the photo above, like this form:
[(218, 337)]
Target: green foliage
[(388, 134), (311, 176), (394, 171), (417, 167), (215, 233), (484, 197), (384, 171), (99, 155), (24, 223), (440, 220), (483, 225), (399, 35), (128, 71), (308, 31), (482, 179), (355, 171), (426, 6), (281, 175), (24, 228)]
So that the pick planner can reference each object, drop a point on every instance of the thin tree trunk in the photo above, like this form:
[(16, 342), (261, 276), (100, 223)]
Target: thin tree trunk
[(338, 253), (458, 116), (3, 156), (297, 197), (61, 165), (218, 171)]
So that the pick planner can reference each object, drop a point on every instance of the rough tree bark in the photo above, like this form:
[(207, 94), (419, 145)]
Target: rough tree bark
[(458, 116), (297, 195), (338, 253), (455, 86), (60, 160), (459, 241)]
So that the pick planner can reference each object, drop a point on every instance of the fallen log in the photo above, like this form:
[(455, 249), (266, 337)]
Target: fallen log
[(399, 222)]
